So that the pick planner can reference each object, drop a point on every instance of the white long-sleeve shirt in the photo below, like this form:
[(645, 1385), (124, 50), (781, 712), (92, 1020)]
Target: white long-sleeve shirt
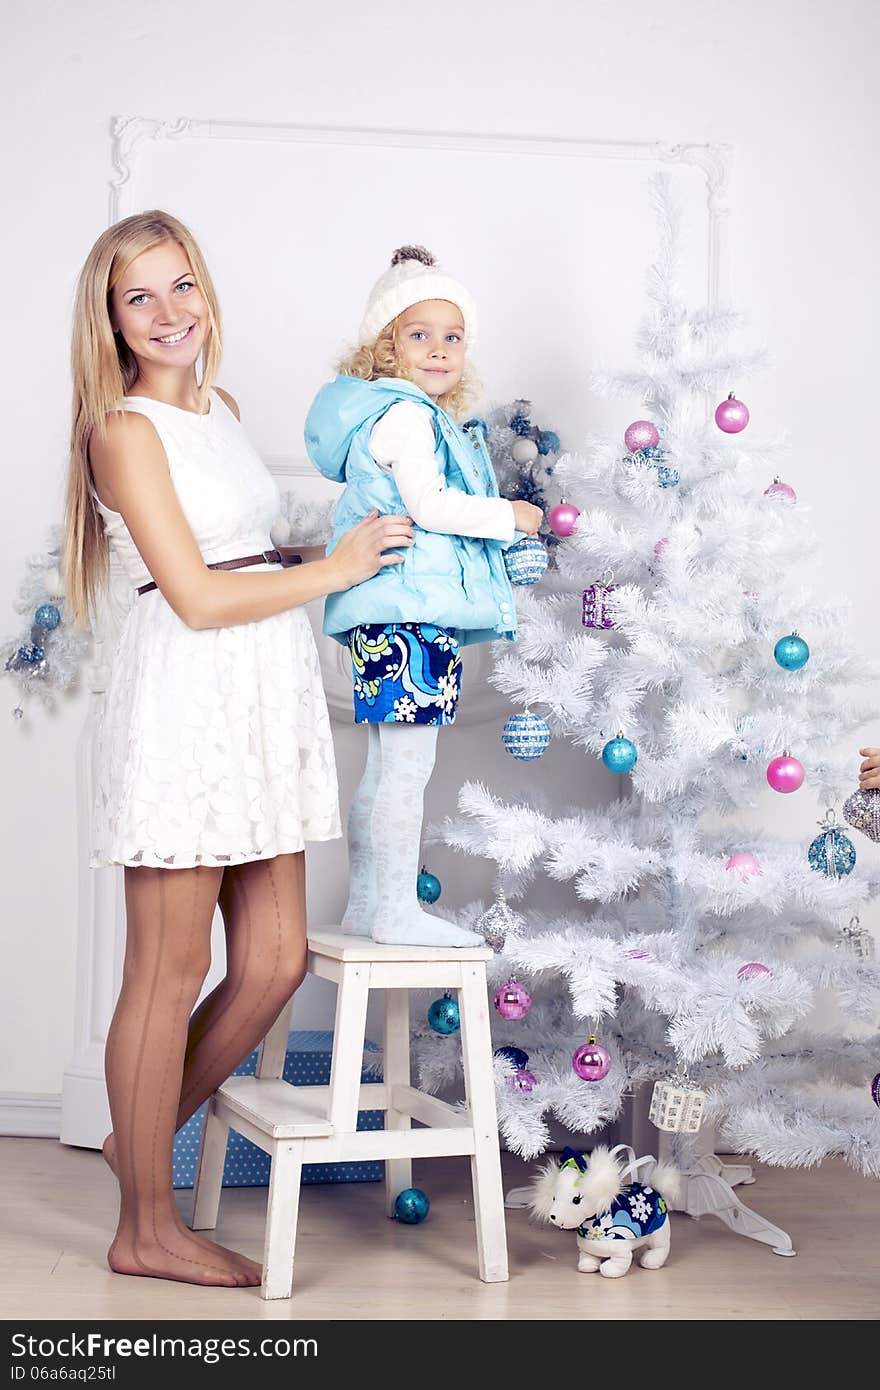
[(403, 442)]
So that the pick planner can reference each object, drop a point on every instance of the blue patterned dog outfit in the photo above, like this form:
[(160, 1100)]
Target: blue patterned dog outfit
[(405, 673), (637, 1211)]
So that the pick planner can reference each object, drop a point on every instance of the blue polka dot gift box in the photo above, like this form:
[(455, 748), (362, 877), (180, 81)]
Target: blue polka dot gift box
[(307, 1064)]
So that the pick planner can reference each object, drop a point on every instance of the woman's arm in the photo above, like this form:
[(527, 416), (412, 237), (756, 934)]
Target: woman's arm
[(131, 474), (403, 441)]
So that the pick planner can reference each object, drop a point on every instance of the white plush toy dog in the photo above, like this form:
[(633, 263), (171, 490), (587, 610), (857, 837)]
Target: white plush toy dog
[(613, 1215)]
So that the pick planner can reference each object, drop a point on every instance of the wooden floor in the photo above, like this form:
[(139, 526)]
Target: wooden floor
[(57, 1209)]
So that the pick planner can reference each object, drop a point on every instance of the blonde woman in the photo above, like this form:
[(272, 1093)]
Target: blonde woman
[(213, 759)]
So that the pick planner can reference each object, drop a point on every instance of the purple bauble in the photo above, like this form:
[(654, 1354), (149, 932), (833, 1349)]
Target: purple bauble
[(782, 491), (641, 434), (512, 1001), (591, 1061), (660, 546), (875, 1089), (638, 955), (785, 774), (731, 415), (522, 1080), (752, 969), (563, 518), (746, 863)]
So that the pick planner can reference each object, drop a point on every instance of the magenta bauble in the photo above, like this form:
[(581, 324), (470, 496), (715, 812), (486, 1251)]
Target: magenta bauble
[(731, 415), (522, 1080), (591, 1061), (781, 491), (746, 863), (641, 434), (512, 1000), (563, 518), (752, 969), (785, 774)]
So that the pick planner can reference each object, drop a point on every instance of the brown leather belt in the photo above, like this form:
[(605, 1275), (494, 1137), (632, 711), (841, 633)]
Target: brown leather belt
[(284, 555)]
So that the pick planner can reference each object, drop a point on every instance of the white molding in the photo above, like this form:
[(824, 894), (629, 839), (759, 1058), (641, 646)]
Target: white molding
[(27, 1116)]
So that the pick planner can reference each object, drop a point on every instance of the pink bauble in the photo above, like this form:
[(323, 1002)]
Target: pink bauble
[(591, 1061), (782, 491), (731, 415), (512, 1001), (563, 518), (785, 774), (521, 1080), (746, 863), (752, 969), (641, 434), (660, 546)]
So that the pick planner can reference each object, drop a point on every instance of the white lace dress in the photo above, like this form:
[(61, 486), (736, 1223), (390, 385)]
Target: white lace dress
[(213, 746)]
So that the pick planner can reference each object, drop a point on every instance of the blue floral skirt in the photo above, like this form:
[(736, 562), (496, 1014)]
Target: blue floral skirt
[(405, 673)]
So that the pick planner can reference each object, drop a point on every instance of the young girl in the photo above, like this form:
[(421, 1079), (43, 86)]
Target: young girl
[(213, 759), (386, 427)]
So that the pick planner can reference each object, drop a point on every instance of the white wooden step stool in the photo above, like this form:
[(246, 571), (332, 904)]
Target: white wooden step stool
[(318, 1124)]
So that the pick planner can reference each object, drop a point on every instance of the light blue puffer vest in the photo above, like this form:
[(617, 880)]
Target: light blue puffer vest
[(452, 581)]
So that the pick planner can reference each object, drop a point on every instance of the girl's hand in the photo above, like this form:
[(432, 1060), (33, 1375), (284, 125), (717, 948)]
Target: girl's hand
[(359, 554), (869, 773), (527, 517)]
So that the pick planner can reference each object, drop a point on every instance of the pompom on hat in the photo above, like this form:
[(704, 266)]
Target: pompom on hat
[(413, 277)]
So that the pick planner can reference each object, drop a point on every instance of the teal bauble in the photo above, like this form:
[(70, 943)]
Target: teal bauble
[(428, 887), (47, 616), (443, 1015), (620, 755), (411, 1206), (832, 853), (791, 653)]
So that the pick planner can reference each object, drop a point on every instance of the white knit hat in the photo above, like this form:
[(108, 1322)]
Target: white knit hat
[(413, 277)]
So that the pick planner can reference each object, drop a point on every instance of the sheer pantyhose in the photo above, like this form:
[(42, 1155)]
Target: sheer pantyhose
[(384, 838), (161, 1062)]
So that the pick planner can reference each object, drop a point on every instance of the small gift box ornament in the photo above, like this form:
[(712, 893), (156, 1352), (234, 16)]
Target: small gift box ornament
[(599, 603), (862, 812), (677, 1105), (856, 940)]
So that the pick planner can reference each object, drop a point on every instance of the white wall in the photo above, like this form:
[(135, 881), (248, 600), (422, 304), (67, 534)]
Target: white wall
[(790, 87)]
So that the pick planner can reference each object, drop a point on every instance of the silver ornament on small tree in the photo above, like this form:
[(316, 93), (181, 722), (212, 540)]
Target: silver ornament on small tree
[(677, 1105), (498, 923), (856, 940)]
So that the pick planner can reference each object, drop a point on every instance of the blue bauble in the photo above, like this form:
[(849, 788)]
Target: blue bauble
[(526, 562), (31, 654), (548, 442), (516, 1055), (411, 1206), (520, 424), (620, 755), (833, 854), (428, 888), (475, 423), (525, 736), (667, 477), (654, 454), (791, 653), (443, 1015), (47, 616)]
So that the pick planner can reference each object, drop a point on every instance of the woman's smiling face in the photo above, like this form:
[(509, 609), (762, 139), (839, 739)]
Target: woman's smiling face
[(159, 309), (430, 339)]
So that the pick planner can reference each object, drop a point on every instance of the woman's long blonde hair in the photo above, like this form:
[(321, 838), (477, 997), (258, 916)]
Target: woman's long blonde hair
[(104, 369), (384, 358)]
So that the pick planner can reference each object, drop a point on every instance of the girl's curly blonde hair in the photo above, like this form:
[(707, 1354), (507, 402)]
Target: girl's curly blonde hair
[(383, 358)]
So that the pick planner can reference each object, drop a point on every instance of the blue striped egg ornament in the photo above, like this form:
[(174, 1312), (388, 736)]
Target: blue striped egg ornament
[(526, 735), (526, 562)]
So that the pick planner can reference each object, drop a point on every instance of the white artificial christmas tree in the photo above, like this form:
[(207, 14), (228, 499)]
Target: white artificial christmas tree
[(696, 942)]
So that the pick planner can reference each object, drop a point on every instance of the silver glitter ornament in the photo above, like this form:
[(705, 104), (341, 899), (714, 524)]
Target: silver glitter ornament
[(497, 923), (862, 811), (856, 940)]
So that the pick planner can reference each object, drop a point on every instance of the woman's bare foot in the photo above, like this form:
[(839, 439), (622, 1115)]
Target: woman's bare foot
[(179, 1255), (252, 1271)]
